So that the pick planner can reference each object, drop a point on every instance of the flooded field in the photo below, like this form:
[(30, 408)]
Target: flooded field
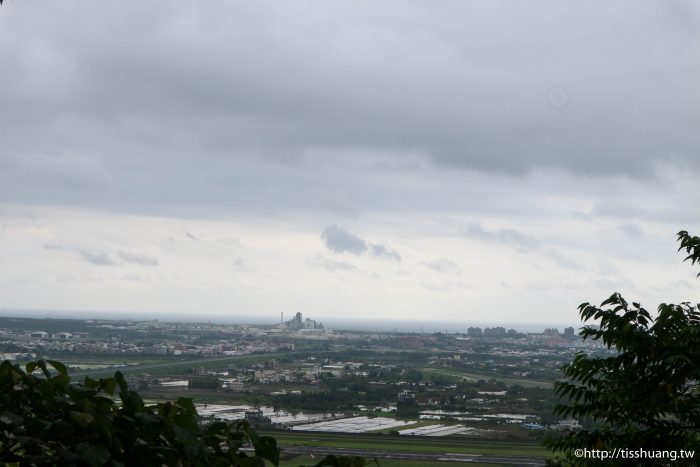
[(475, 417), (236, 412)]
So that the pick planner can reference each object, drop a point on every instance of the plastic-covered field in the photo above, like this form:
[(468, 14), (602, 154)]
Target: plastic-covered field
[(353, 425)]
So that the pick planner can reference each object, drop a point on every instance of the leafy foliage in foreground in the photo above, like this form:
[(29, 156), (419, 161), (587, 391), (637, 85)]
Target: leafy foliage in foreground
[(45, 420), (647, 395)]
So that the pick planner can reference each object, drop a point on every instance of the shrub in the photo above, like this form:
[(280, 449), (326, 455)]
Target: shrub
[(46, 420)]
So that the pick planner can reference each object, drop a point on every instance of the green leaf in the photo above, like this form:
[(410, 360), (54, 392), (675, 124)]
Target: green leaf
[(93, 455), (60, 367), (83, 419), (31, 366), (10, 418)]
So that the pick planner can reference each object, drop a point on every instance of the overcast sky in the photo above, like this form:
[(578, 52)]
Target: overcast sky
[(479, 161)]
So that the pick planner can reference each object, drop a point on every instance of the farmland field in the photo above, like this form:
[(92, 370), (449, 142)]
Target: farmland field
[(411, 443), (305, 460)]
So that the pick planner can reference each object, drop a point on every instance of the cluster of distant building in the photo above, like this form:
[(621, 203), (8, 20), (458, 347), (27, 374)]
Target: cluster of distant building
[(298, 323), (56, 335), (499, 331), (29, 344)]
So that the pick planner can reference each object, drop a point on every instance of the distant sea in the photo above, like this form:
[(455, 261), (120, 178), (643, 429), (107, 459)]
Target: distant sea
[(333, 322)]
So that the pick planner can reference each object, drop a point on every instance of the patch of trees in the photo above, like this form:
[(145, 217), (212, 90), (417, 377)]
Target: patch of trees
[(645, 396), (408, 409), (205, 382), (45, 420), (324, 401)]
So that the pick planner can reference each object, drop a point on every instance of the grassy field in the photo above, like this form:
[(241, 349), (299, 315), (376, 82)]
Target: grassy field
[(454, 373), (171, 365), (304, 461), (414, 444)]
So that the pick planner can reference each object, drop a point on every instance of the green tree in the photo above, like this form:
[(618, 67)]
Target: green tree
[(413, 376), (206, 382), (45, 420), (645, 395), (408, 409)]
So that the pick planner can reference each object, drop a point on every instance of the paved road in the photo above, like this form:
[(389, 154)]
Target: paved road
[(415, 456)]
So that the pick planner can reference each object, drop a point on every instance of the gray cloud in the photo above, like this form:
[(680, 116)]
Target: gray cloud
[(562, 260), (509, 237), (131, 277), (340, 240), (127, 119), (675, 286), (447, 286), (98, 258), (242, 266), (77, 278), (143, 260), (53, 246), (444, 266), (332, 266), (631, 230), (613, 284), (384, 251)]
